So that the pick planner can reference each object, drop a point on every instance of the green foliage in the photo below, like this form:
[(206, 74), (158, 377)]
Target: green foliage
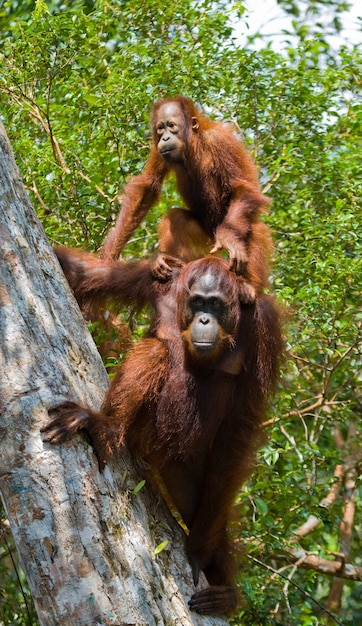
[(76, 83), (16, 607)]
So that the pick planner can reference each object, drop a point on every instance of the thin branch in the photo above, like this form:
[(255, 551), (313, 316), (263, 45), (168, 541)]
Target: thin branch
[(303, 591), (347, 571), (345, 539), (292, 441), (35, 191), (16, 570), (100, 191), (35, 111), (44, 120), (312, 522), (54, 142)]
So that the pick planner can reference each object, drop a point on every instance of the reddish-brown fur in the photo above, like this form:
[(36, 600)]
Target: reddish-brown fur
[(218, 182), (196, 421)]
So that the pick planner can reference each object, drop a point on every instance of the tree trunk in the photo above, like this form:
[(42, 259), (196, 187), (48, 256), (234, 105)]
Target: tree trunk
[(86, 543)]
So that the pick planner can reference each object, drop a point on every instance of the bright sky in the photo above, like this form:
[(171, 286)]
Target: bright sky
[(266, 17)]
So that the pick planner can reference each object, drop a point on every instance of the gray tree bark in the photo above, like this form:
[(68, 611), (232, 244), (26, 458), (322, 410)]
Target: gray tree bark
[(86, 543)]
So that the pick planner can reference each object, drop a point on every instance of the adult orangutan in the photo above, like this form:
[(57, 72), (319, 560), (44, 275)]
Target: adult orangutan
[(189, 400), (218, 182)]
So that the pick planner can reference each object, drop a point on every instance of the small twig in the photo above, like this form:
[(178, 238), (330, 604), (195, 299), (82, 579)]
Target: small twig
[(286, 587), (35, 191), (100, 191), (292, 441)]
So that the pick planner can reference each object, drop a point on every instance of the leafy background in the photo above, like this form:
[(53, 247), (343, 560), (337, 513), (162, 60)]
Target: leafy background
[(77, 79)]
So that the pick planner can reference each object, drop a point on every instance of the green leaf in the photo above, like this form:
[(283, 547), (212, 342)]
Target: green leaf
[(138, 487), (161, 546), (261, 506)]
